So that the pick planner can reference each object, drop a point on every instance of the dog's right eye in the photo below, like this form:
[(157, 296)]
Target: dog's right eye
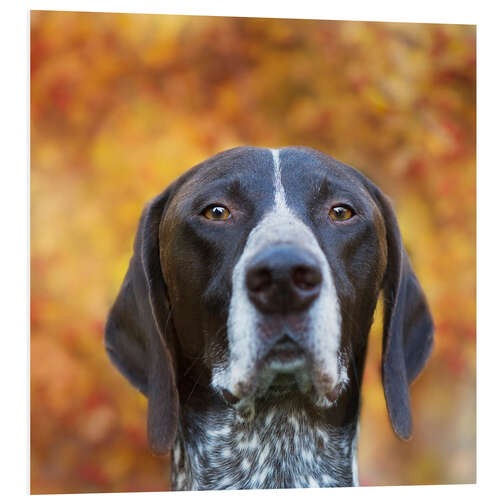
[(216, 212), (341, 213)]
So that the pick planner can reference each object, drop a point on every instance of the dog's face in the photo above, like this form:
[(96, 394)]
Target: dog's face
[(272, 259), (260, 271)]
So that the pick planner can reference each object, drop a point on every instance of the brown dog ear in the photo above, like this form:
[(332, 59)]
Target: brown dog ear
[(138, 330), (408, 326)]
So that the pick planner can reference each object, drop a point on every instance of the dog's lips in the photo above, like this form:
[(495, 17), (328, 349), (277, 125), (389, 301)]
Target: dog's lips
[(284, 373), (286, 368), (285, 356)]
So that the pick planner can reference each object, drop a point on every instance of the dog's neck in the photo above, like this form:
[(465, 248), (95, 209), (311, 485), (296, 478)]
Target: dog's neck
[(283, 446)]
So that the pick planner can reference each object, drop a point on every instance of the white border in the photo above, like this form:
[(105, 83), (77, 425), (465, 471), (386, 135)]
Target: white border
[(15, 238)]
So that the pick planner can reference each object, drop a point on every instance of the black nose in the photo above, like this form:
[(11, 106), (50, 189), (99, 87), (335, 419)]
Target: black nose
[(283, 278)]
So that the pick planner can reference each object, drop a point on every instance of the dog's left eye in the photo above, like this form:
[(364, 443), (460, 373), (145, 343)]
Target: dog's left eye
[(216, 212), (341, 212)]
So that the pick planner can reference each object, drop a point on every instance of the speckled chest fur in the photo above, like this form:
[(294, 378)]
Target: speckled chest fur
[(282, 447)]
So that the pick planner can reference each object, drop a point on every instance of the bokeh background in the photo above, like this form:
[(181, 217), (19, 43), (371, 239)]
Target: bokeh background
[(123, 104)]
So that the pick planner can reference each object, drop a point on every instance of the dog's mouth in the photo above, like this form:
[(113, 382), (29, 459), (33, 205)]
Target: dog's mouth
[(288, 367), (285, 356), (285, 369)]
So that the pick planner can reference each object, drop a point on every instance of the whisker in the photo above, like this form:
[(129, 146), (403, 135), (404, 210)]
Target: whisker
[(194, 387), (197, 358), (203, 355), (353, 364)]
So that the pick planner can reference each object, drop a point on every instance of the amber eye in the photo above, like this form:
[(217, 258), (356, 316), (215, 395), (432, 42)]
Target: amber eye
[(216, 212), (341, 212)]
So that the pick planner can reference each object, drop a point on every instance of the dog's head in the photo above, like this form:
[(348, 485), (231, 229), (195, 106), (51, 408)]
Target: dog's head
[(256, 275)]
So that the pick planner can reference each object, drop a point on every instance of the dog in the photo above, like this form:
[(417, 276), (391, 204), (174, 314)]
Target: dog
[(244, 319)]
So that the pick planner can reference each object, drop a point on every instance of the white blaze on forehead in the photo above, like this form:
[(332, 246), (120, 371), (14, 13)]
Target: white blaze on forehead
[(279, 190), (279, 225)]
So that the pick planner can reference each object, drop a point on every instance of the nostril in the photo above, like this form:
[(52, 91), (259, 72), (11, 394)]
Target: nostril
[(259, 279), (306, 277)]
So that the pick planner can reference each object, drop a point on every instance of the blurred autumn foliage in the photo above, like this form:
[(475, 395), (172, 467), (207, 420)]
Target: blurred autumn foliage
[(122, 104)]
